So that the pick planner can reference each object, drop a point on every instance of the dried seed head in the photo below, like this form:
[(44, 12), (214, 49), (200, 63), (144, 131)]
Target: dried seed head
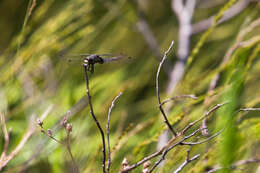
[(147, 164), (39, 122), (124, 163), (69, 127), (64, 121), (49, 132)]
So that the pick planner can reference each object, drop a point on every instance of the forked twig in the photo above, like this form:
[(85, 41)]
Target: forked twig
[(177, 140), (95, 119), (187, 161), (108, 121), (205, 140), (166, 149), (203, 117), (166, 121)]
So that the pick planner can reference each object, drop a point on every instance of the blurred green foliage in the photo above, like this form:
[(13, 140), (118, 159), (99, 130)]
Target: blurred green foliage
[(35, 75)]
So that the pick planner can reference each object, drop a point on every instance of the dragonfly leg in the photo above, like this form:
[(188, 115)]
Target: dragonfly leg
[(88, 67), (92, 68)]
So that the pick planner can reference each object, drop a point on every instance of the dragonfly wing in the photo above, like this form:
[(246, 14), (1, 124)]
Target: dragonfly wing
[(107, 60), (86, 54), (115, 58)]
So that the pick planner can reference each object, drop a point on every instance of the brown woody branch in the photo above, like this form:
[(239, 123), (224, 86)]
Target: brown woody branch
[(95, 119), (177, 140)]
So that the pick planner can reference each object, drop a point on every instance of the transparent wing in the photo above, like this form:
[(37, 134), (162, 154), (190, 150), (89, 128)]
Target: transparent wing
[(85, 54), (79, 58), (72, 60), (115, 58)]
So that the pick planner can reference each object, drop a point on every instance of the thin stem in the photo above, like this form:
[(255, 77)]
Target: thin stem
[(235, 165), (70, 153), (205, 140), (186, 162), (6, 158), (179, 97), (95, 119), (108, 121), (203, 117), (157, 90), (162, 152), (6, 135)]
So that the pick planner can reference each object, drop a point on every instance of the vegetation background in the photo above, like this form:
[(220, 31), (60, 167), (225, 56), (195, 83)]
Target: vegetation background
[(35, 77)]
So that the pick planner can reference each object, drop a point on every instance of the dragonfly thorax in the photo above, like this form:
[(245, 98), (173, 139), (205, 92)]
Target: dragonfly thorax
[(93, 59)]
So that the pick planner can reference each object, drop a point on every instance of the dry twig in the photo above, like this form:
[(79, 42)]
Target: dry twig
[(5, 158), (68, 128), (80, 105), (95, 119), (229, 14), (178, 97), (187, 161), (166, 121), (177, 140), (235, 165), (108, 121)]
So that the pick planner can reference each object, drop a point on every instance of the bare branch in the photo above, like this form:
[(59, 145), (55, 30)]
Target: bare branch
[(68, 129), (205, 140), (179, 97), (177, 140), (184, 13), (95, 119), (49, 134), (108, 121), (159, 161), (186, 162), (31, 129), (249, 109), (235, 165), (204, 116), (6, 136), (170, 145), (166, 121), (80, 105), (230, 13), (5, 158)]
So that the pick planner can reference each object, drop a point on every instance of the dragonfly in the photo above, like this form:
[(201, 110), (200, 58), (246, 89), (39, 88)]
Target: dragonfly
[(89, 60)]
